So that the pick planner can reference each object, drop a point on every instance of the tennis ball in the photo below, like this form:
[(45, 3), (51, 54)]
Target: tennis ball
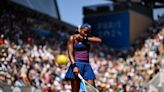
[(62, 59)]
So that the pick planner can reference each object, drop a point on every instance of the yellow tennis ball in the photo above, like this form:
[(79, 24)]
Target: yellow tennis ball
[(62, 59)]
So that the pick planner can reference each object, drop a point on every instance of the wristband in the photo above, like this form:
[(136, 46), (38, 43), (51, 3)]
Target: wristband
[(73, 65)]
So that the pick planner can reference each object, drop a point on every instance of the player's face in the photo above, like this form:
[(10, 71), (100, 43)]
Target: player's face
[(84, 31)]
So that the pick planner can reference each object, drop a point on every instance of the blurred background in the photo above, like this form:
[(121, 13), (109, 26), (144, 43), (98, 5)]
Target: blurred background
[(33, 33)]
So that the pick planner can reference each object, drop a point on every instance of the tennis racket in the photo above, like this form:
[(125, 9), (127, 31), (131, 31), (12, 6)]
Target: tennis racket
[(87, 87)]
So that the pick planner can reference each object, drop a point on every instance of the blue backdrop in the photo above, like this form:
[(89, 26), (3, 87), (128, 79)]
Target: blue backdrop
[(112, 28)]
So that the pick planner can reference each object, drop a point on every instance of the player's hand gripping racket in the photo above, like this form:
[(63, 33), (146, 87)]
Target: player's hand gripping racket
[(87, 87)]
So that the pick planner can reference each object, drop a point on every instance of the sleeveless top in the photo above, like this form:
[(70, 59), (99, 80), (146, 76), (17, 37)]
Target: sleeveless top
[(81, 52)]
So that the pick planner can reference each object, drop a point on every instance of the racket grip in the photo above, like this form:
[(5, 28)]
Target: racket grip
[(79, 75)]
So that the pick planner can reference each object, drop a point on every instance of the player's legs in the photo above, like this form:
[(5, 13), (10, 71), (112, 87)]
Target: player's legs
[(92, 82), (75, 84)]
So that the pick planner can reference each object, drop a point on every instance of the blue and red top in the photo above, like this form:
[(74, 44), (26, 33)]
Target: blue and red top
[(81, 52)]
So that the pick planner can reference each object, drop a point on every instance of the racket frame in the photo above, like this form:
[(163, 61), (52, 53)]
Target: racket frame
[(85, 82)]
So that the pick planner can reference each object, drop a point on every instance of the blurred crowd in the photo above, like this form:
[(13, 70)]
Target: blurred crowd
[(133, 73), (28, 59)]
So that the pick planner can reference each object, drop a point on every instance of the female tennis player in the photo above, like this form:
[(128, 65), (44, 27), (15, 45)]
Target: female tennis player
[(78, 53)]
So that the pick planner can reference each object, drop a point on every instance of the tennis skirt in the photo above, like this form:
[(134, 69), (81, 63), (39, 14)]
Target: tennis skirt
[(85, 70)]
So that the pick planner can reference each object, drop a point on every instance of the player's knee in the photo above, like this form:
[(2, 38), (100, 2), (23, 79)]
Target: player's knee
[(91, 82)]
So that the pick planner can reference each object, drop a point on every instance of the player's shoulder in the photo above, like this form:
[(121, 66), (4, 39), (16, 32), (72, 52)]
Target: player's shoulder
[(71, 38)]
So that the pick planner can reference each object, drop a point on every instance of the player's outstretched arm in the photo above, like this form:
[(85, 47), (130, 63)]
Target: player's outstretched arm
[(94, 40)]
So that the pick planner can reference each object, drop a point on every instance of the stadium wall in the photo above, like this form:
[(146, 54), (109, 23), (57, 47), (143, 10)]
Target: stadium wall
[(112, 28), (119, 30), (138, 24)]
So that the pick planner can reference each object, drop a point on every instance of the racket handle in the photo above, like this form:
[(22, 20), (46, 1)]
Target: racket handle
[(79, 75)]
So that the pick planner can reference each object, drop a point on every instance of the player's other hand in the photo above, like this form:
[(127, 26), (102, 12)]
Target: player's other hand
[(76, 70)]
